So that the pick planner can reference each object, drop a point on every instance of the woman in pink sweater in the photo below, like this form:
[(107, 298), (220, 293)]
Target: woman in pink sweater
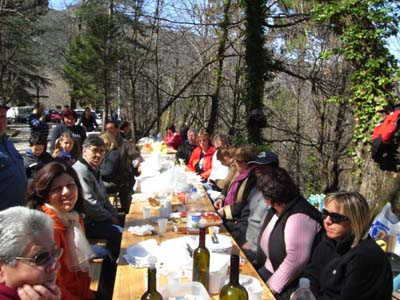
[(288, 234)]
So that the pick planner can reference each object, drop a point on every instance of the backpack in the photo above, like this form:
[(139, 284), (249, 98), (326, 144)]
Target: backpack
[(385, 142)]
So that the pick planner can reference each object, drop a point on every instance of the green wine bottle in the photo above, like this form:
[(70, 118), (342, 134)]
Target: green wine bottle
[(201, 260), (233, 290), (151, 293)]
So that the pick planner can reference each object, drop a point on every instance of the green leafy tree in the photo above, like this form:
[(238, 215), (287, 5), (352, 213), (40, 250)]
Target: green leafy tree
[(93, 55), (363, 27), (20, 61)]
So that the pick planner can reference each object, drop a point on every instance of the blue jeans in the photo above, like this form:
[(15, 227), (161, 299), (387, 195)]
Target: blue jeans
[(108, 231)]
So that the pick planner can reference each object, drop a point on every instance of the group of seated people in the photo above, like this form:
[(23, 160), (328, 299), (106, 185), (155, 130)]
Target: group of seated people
[(45, 254), (284, 236)]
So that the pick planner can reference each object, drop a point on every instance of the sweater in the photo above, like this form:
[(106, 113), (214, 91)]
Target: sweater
[(277, 248), (7, 293), (73, 285), (339, 272), (97, 207)]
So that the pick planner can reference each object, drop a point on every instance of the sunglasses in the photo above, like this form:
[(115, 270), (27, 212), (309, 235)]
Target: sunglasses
[(44, 258), (335, 217)]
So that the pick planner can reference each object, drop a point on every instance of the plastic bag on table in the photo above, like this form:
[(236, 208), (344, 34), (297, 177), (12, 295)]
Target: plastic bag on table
[(385, 223)]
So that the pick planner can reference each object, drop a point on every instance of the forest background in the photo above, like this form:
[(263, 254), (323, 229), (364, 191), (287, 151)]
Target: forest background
[(306, 79)]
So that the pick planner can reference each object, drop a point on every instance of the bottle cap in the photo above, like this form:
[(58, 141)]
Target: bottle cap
[(194, 190), (152, 261), (304, 282)]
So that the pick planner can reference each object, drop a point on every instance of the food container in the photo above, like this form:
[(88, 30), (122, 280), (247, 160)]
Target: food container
[(184, 290)]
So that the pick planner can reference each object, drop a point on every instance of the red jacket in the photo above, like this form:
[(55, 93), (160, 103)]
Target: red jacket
[(207, 161), (73, 285), (174, 140)]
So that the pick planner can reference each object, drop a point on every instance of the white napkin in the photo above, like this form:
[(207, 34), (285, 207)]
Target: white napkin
[(138, 254), (141, 230)]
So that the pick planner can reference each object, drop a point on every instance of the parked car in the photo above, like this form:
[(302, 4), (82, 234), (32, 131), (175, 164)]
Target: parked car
[(54, 116), (18, 114)]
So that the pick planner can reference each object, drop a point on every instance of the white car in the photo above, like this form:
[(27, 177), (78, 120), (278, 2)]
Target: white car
[(18, 114)]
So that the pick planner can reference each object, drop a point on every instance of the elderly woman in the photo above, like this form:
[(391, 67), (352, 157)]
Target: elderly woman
[(28, 255), (201, 159), (347, 264), (232, 200), (56, 191), (69, 118), (288, 234)]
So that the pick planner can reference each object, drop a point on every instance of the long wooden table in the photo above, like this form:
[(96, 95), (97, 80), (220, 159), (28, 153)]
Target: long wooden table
[(130, 281)]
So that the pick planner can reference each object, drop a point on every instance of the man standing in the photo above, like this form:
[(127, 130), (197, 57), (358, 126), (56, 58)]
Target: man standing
[(12, 171), (127, 172)]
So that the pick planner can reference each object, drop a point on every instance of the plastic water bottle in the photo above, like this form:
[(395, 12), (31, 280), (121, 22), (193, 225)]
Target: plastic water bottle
[(303, 292)]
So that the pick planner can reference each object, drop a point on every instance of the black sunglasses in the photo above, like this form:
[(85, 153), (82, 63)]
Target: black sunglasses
[(335, 217), (44, 258)]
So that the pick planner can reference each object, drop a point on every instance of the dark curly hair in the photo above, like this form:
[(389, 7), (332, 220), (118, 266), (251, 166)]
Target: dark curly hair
[(276, 185), (39, 187)]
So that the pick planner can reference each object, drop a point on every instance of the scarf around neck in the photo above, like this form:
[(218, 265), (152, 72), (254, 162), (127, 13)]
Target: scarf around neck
[(78, 250), (232, 192)]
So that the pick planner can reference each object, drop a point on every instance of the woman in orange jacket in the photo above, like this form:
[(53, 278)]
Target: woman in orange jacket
[(201, 159), (56, 191)]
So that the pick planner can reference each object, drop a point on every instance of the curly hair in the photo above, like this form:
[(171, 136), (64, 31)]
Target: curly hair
[(276, 185), (39, 187)]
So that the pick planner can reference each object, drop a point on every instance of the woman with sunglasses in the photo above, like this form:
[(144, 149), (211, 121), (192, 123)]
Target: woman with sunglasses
[(28, 256), (287, 237), (56, 191), (348, 264)]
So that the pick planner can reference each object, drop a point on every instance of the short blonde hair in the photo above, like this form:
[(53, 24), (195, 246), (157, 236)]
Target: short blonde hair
[(356, 209), (109, 139)]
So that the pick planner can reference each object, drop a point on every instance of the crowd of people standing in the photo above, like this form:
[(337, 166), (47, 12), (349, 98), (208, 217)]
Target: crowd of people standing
[(44, 248)]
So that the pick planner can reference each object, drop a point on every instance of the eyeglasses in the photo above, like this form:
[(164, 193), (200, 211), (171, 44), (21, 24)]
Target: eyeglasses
[(335, 217), (44, 258), (97, 151)]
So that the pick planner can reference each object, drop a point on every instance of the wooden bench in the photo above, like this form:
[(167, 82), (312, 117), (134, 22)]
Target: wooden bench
[(95, 272), (96, 265)]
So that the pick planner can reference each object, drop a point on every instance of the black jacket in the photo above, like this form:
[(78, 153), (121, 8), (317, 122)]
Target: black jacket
[(339, 272), (185, 151), (33, 163)]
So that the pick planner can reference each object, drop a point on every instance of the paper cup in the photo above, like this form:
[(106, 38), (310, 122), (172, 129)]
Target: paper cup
[(255, 292), (162, 225), (146, 212), (215, 281)]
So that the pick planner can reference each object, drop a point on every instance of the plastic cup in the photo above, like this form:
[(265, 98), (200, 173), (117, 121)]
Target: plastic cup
[(146, 212), (174, 277), (213, 230), (255, 292), (162, 225), (215, 282)]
